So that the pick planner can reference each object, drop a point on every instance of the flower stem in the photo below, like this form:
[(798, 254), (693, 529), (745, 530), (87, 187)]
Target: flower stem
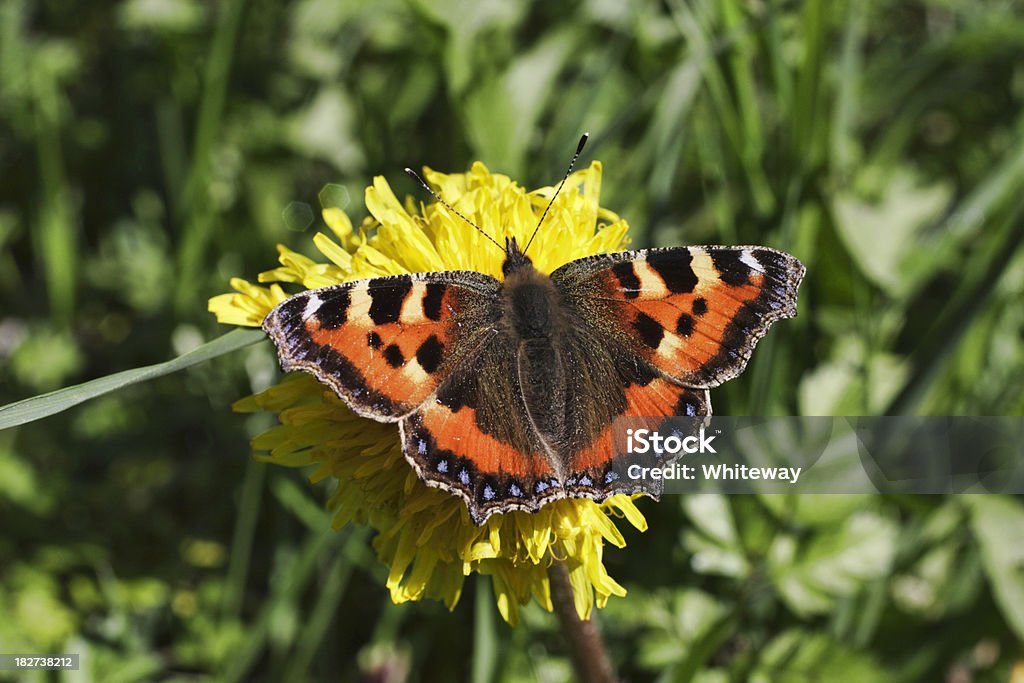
[(586, 647)]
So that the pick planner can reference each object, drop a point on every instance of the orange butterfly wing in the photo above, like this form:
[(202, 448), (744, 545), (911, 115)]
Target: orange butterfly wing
[(694, 313), (423, 350), (384, 345), (691, 314)]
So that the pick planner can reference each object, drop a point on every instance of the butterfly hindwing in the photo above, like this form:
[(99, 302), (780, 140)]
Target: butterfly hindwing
[(477, 438), (384, 345), (695, 313), (596, 470), (474, 439)]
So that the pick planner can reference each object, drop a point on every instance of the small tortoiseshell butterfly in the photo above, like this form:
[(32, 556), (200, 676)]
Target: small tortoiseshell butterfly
[(505, 391)]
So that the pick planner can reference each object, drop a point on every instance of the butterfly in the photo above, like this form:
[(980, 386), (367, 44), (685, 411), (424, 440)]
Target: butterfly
[(505, 391)]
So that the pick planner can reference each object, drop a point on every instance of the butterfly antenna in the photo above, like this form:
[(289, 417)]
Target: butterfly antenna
[(450, 207), (579, 148)]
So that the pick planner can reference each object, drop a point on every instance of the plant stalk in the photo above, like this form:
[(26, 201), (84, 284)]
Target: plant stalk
[(587, 650)]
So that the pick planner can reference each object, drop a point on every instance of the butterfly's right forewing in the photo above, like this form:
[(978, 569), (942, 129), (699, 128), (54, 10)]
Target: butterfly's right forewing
[(694, 313), (674, 322)]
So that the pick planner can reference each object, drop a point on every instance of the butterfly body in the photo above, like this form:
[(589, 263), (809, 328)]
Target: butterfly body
[(506, 391)]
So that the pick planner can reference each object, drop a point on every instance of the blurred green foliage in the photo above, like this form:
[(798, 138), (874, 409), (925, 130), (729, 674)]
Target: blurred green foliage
[(151, 149)]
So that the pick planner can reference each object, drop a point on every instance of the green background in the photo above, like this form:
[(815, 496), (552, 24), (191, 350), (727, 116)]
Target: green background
[(151, 149)]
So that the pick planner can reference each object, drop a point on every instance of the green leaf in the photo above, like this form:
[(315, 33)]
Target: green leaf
[(881, 236), (684, 628), (998, 525), (54, 402), (803, 656), (714, 543), (832, 564)]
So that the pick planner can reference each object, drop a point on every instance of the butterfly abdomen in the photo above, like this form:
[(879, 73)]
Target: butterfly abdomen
[(533, 316)]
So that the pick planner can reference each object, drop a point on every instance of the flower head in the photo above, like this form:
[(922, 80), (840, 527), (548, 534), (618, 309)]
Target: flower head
[(425, 535)]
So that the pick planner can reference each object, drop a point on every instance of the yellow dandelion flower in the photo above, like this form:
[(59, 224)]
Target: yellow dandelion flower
[(424, 534)]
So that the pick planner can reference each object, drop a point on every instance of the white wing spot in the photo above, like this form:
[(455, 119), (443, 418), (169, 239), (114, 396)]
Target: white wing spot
[(312, 305), (412, 307), (649, 279), (748, 258), (704, 268)]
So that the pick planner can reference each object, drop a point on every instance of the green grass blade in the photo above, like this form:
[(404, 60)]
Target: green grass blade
[(329, 596), (57, 241), (848, 88), (741, 67), (196, 210), (298, 502), (807, 132), (58, 401), (663, 142), (485, 637), (242, 539), (315, 547), (981, 275)]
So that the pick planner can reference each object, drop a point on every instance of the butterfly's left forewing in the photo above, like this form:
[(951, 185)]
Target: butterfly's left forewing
[(384, 345)]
